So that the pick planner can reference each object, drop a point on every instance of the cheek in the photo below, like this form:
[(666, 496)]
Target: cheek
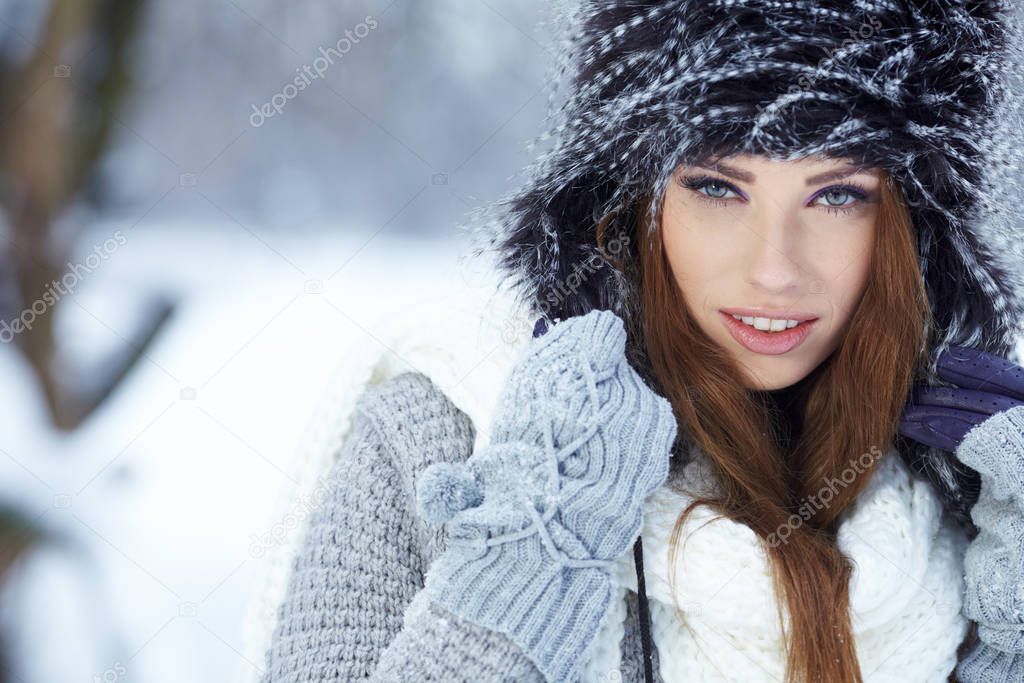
[(847, 277), (691, 253)]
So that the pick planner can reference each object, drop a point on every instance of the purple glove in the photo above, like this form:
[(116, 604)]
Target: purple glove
[(941, 416)]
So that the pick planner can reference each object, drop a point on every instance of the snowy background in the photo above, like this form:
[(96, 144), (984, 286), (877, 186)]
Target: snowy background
[(276, 247)]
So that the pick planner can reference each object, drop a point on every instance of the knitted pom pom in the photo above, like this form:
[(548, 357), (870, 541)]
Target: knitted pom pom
[(445, 489)]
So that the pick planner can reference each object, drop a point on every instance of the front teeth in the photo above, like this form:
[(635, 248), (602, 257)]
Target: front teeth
[(767, 324)]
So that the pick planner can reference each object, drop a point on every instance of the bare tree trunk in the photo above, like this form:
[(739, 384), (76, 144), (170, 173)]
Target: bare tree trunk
[(38, 161), (58, 127)]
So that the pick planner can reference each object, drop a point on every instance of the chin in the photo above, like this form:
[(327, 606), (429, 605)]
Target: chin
[(772, 374), (772, 386)]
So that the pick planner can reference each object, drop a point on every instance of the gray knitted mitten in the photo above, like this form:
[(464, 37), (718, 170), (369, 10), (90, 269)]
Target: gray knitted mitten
[(994, 561), (537, 517)]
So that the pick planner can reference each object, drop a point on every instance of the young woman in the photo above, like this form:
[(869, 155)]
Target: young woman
[(761, 225)]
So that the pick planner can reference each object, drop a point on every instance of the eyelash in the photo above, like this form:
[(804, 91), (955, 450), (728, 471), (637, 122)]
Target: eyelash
[(858, 192)]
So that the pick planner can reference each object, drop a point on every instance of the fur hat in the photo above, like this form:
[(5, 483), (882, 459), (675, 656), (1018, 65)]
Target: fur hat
[(923, 89)]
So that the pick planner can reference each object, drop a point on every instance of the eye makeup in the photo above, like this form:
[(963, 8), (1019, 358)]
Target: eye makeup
[(697, 184)]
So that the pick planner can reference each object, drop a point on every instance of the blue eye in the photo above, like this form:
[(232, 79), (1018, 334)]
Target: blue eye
[(831, 193), (717, 189), (855, 194)]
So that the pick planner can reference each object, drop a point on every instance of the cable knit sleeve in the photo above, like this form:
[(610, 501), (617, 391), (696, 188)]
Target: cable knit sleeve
[(354, 608), (994, 561)]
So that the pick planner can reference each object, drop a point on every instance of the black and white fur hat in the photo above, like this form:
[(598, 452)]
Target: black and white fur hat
[(924, 89)]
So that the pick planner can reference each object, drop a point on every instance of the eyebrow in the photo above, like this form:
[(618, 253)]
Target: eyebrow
[(746, 177)]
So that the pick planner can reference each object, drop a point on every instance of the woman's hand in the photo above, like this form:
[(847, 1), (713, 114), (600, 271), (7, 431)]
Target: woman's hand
[(942, 416), (537, 517)]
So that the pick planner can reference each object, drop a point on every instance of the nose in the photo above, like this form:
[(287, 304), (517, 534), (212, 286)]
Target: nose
[(774, 253)]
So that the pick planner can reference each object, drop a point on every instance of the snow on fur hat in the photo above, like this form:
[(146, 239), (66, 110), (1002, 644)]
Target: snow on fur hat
[(923, 89)]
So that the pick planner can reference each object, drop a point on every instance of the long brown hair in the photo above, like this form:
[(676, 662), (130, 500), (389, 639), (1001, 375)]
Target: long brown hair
[(850, 406)]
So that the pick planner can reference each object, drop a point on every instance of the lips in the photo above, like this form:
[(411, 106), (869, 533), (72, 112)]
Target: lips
[(768, 343)]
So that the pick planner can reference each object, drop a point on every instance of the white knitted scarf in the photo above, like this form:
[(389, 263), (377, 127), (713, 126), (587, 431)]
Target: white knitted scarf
[(905, 593)]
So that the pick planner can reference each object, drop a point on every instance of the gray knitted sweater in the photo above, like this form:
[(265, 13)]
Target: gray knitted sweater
[(353, 608)]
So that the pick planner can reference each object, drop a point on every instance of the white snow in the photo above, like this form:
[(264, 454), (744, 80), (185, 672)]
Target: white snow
[(162, 491)]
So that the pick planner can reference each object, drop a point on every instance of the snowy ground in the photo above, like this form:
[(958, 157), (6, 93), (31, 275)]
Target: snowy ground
[(164, 488)]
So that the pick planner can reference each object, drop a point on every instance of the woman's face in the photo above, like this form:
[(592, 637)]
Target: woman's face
[(772, 241)]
